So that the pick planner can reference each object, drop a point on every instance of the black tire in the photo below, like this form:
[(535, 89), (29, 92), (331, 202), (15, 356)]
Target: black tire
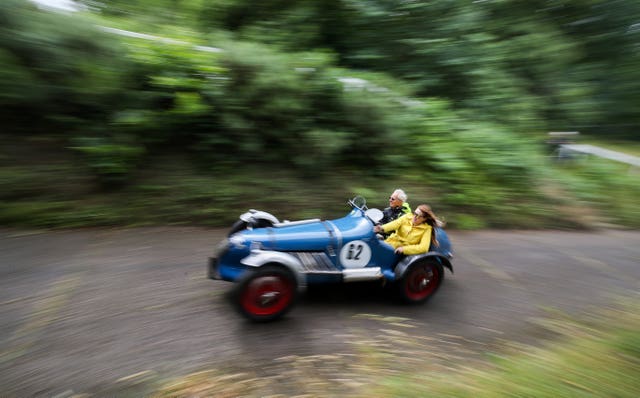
[(265, 294), (420, 282)]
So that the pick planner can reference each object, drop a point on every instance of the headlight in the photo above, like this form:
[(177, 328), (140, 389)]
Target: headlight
[(237, 241)]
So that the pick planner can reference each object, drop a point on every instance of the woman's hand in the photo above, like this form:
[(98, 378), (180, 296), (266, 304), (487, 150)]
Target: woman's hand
[(400, 250), (377, 229)]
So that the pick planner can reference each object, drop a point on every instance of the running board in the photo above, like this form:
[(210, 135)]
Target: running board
[(361, 274)]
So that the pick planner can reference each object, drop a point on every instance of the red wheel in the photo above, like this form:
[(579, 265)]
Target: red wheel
[(421, 281), (266, 293)]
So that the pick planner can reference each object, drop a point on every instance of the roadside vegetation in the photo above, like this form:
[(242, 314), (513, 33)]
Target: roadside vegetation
[(310, 103), (595, 356), (608, 188)]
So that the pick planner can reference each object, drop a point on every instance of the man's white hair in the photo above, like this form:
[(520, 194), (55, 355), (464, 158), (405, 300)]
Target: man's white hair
[(400, 194)]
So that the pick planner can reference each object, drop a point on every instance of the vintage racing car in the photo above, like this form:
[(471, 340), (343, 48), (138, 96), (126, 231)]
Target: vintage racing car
[(272, 261)]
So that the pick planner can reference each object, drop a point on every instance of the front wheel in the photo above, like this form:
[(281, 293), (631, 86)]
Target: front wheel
[(265, 294), (420, 282)]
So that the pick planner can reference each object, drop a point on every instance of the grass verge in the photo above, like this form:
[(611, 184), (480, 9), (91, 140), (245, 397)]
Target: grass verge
[(594, 357), (49, 189), (609, 187)]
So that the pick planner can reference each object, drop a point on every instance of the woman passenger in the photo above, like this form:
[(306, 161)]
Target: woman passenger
[(413, 233)]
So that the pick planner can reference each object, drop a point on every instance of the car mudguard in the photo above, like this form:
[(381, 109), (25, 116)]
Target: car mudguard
[(259, 258), (406, 262)]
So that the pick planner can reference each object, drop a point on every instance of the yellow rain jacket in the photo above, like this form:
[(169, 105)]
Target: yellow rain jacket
[(416, 239)]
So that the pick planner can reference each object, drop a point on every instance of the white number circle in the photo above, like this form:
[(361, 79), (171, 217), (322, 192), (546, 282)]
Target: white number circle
[(355, 254)]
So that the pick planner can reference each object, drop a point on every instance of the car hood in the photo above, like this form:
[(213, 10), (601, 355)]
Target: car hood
[(312, 236)]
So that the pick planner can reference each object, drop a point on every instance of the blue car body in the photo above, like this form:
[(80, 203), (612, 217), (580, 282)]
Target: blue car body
[(320, 251)]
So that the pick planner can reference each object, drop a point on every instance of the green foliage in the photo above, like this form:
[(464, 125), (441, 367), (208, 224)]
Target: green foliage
[(58, 72), (285, 94), (483, 173), (110, 159), (613, 188), (531, 65)]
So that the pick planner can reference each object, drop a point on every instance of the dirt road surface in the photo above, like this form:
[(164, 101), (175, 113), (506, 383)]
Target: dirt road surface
[(104, 311)]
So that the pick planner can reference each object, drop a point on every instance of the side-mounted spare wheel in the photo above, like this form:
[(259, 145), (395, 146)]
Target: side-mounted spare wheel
[(240, 225), (420, 281), (265, 293), (253, 219)]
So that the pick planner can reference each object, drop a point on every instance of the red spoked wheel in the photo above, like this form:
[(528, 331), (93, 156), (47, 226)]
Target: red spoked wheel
[(420, 281), (266, 293)]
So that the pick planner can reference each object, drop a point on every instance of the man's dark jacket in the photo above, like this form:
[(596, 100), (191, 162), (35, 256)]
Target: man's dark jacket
[(391, 213)]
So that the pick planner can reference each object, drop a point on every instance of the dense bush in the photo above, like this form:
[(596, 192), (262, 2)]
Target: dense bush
[(456, 120)]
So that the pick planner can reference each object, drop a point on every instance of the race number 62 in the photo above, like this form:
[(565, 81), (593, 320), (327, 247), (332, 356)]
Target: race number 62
[(355, 254)]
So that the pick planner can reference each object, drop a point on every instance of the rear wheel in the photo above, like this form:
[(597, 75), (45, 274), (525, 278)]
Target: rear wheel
[(266, 293), (420, 282)]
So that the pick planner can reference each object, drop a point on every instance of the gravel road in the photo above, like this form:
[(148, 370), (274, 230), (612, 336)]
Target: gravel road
[(109, 310)]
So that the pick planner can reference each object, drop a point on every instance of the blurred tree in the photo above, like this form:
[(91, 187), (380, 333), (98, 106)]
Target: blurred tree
[(436, 92), (58, 71), (532, 65), (152, 13), (64, 79), (609, 34)]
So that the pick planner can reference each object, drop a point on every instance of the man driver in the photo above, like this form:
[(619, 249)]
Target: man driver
[(398, 206)]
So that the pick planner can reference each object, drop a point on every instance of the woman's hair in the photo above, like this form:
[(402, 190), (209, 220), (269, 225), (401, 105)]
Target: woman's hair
[(432, 220)]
